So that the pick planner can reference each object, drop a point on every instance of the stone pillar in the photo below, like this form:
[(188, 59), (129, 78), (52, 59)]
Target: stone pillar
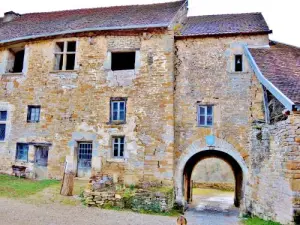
[(31, 161)]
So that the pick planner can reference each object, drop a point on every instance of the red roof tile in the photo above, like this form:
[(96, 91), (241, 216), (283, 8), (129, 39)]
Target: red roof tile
[(109, 18), (224, 24), (280, 64)]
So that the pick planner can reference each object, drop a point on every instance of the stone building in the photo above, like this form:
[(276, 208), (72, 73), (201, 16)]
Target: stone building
[(143, 93)]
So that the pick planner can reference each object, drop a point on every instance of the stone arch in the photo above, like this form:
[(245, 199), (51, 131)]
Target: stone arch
[(198, 151)]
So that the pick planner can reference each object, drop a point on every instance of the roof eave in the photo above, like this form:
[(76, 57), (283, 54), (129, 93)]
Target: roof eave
[(222, 34), (288, 103), (134, 27)]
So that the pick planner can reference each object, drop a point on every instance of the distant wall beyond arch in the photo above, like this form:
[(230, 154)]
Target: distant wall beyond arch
[(197, 152)]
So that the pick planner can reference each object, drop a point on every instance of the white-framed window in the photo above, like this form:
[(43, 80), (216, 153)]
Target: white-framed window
[(3, 120), (205, 115), (65, 55), (118, 110), (118, 147)]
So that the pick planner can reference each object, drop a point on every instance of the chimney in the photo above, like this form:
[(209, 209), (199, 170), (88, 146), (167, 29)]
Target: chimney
[(10, 16)]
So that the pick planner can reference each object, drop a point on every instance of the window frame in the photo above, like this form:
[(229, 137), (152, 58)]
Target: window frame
[(11, 63), (29, 108), (17, 152), (64, 54), (4, 123), (118, 101), (119, 143), (235, 63), (206, 115)]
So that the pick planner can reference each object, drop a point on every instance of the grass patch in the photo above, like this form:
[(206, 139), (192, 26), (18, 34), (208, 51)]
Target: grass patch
[(258, 221), (204, 191), (14, 187)]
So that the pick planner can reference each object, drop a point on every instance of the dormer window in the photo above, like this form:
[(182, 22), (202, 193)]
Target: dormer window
[(15, 60), (238, 63), (65, 55)]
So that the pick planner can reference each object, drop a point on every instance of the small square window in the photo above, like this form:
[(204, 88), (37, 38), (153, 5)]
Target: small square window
[(238, 63), (3, 115), (123, 61), (205, 115), (22, 152), (33, 115), (118, 111), (118, 147)]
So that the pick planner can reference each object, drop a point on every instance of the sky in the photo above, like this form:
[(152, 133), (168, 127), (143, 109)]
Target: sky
[(282, 16)]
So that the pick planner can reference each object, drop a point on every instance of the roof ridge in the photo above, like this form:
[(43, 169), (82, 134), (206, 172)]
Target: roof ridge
[(282, 43), (225, 14), (105, 7)]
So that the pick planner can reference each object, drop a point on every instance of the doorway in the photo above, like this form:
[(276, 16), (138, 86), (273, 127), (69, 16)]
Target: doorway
[(84, 159), (41, 161)]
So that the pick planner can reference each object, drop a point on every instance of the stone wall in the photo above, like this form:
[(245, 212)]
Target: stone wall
[(273, 188), (205, 76), (137, 200), (75, 106)]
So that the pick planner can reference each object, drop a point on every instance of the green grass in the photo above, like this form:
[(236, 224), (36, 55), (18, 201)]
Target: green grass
[(14, 187), (207, 191), (258, 221)]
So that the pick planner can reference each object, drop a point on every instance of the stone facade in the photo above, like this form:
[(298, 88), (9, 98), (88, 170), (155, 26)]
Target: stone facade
[(205, 76), (75, 106), (172, 77)]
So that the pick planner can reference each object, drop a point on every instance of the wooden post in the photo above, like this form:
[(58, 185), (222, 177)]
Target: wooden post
[(67, 184)]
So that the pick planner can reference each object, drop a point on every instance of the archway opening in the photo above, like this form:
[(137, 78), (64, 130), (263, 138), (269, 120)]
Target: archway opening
[(198, 157)]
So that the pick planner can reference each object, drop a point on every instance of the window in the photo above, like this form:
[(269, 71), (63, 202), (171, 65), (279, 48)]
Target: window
[(3, 115), (85, 155), (118, 147), (3, 118), (238, 63), (118, 110), (15, 60), (33, 115), (123, 61), (65, 55), (205, 115), (22, 152)]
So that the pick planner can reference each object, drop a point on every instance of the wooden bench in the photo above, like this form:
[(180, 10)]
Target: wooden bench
[(19, 171)]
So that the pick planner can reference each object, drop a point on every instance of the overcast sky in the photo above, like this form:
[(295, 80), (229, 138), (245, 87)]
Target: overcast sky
[(282, 16)]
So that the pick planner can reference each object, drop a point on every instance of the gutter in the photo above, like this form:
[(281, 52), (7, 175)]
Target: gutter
[(25, 38), (267, 84)]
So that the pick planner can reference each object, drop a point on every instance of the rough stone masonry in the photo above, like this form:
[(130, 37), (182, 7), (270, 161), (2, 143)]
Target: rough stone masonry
[(142, 94)]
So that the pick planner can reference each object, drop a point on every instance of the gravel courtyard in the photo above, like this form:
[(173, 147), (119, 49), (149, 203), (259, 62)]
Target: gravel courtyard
[(13, 212)]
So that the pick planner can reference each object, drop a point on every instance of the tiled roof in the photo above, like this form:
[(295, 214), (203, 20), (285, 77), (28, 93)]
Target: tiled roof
[(224, 24), (70, 21), (280, 64)]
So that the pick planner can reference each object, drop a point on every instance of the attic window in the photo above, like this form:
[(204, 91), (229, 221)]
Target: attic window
[(15, 60), (65, 55), (123, 61), (238, 63)]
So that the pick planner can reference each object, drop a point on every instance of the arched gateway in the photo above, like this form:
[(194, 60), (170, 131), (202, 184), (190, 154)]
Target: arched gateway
[(198, 151)]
